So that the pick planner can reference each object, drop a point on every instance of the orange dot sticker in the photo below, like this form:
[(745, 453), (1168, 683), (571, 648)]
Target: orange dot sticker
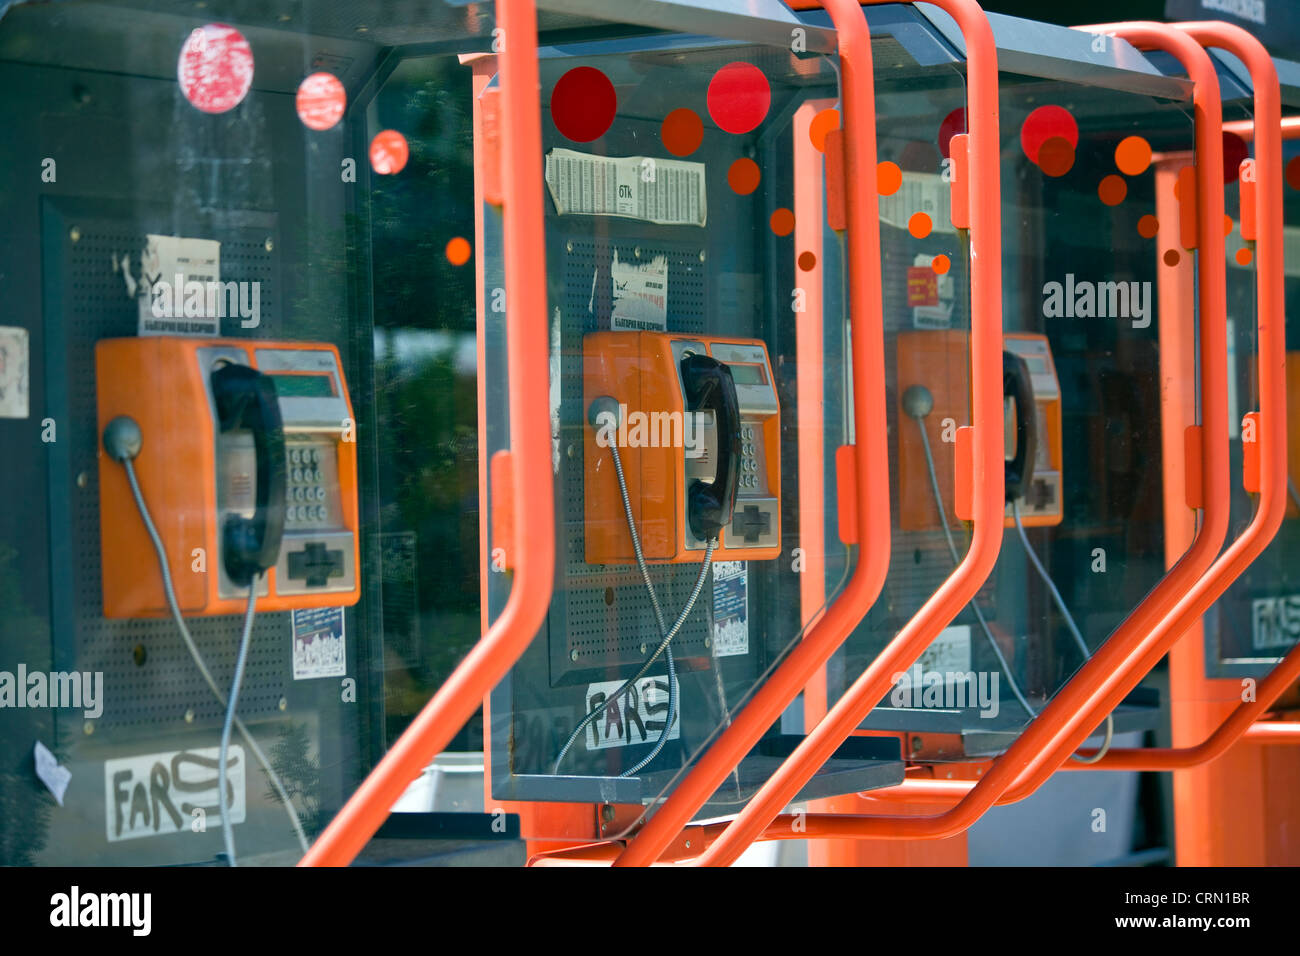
[(1227, 225), (743, 176), (1148, 226), (389, 152), (807, 261), (682, 132), (1171, 257), (821, 124), (1244, 256), (889, 178), (782, 222), (1112, 190), (940, 264), (321, 100), (1056, 156), (919, 225), (458, 251), (1132, 155)]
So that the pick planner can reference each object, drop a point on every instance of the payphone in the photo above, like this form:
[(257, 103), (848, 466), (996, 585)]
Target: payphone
[(697, 426), (247, 461)]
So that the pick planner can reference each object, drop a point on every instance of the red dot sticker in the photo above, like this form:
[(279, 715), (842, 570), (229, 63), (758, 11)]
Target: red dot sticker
[(1056, 156), (1045, 123), (739, 97), (940, 264), (953, 123), (1293, 172), (458, 251), (389, 152), (1112, 190), (1234, 151), (682, 132), (782, 222), (807, 261), (1244, 256), (583, 104), (1171, 257), (743, 176), (215, 70), (321, 101), (1148, 226)]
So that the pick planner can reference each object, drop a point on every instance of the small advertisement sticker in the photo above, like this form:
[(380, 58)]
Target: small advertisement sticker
[(1275, 622), (636, 718), (640, 295), (730, 608), (669, 192), (181, 292), (157, 794), (319, 649), (949, 652), (13, 372)]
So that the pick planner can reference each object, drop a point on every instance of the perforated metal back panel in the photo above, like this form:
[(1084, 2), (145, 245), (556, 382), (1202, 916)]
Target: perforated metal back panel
[(148, 674), (603, 612)]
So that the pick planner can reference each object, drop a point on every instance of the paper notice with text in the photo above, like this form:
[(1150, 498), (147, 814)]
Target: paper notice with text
[(668, 192)]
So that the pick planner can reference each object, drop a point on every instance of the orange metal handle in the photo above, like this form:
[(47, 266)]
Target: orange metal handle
[(871, 453), (987, 415), (1053, 726), (534, 508), (1271, 434)]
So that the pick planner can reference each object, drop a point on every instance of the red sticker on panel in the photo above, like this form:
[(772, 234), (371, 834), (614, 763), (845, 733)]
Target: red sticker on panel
[(215, 70), (389, 152)]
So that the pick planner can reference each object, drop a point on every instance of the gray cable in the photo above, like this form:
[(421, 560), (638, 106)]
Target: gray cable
[(956, 559), (181, 626), (1069, 620), (227, 829), (667, 635)]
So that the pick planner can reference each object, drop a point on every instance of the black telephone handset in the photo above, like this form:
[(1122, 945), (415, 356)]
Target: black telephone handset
[(1017, 386), (709, 387), (246, 400)]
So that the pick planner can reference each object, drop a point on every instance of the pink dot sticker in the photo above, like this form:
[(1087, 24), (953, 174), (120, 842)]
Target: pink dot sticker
[(321, 101), (389, 152), (215, 70)]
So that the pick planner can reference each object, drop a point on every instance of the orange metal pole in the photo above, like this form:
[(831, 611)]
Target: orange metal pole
[(871, 455), (986, 386), (1057, 725), (530, 430), (1271, 436), (1246, 128)]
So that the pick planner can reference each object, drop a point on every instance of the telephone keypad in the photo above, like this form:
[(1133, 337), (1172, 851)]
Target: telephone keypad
[(306, 484)]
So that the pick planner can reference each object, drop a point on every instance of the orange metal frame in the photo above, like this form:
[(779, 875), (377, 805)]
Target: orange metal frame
[(1058, 726), (533, 516), (870, 457), (986, 444)]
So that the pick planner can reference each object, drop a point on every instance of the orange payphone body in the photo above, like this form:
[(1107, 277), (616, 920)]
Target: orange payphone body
[(697, 456), (210, 468), (936, 360)]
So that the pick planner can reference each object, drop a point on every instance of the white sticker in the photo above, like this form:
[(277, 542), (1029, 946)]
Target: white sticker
[(1274, 622), (319, 649), (640, 295), (949, 652), (669, 192), (14, 349), (157, 794), (180, 287), (637, 718), (730, 608), (52, 775), (920, 192)]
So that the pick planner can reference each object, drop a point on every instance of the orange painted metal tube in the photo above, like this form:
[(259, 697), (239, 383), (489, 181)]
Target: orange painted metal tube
[(530, 431), (1274, 732), (1057, 725), (1290, 127), (1272, 438), (987, 415), (871, 455)]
